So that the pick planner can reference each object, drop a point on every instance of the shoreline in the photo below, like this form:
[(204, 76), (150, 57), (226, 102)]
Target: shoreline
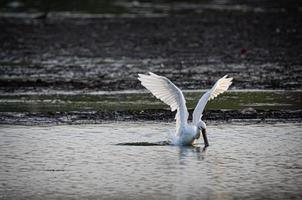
[(98, 117), (71, 107)]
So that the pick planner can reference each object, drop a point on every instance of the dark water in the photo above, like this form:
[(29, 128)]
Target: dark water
[(244, 161)]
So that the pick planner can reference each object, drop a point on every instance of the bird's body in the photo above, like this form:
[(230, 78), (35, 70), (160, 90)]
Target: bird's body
[(163, 89), (187, 134)]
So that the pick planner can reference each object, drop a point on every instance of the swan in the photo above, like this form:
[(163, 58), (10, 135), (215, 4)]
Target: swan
[(163, 89)]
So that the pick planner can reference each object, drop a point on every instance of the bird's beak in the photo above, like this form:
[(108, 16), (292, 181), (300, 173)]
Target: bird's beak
[(204, 135)]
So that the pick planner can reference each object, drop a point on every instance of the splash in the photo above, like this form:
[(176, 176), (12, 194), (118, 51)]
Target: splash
[(172, 137)]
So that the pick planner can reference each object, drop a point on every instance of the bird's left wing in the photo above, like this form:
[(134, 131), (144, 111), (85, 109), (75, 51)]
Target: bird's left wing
[(220, 87), (163, 89)]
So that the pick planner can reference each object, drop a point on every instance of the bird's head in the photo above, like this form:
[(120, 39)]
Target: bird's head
[(201, 126)]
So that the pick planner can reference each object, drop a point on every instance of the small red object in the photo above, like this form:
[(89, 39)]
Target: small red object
[(243, 51)]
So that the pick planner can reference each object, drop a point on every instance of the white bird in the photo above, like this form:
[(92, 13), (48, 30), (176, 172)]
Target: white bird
[(163, 89)]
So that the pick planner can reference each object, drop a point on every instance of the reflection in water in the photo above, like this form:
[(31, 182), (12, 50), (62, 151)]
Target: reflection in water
[(184, 151), (192, 151), (80, 162)]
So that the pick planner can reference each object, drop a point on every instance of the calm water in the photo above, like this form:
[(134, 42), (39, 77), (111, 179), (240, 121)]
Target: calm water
[(82, 161)]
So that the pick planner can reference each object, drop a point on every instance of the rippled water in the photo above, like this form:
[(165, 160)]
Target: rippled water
[(83, 161)]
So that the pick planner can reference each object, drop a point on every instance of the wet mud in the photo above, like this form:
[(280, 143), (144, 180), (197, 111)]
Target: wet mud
[(56, 118), (261, 50), (46, 50)]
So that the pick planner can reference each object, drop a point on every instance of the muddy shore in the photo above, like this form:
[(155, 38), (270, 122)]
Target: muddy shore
[(213, 116), (60, 52), (260, 50)]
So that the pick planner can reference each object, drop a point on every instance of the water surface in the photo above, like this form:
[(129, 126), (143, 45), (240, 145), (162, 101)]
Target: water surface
[(246, 161)]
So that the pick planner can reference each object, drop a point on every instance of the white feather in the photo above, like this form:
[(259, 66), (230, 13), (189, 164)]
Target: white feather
[(220, 87), (163, 89)]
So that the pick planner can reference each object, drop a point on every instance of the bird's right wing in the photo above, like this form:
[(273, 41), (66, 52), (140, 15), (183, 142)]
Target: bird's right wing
[(220, 87), (163, 89)]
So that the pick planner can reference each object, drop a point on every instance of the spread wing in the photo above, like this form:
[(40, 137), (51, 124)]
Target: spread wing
[(163, 89), (220, 87)]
